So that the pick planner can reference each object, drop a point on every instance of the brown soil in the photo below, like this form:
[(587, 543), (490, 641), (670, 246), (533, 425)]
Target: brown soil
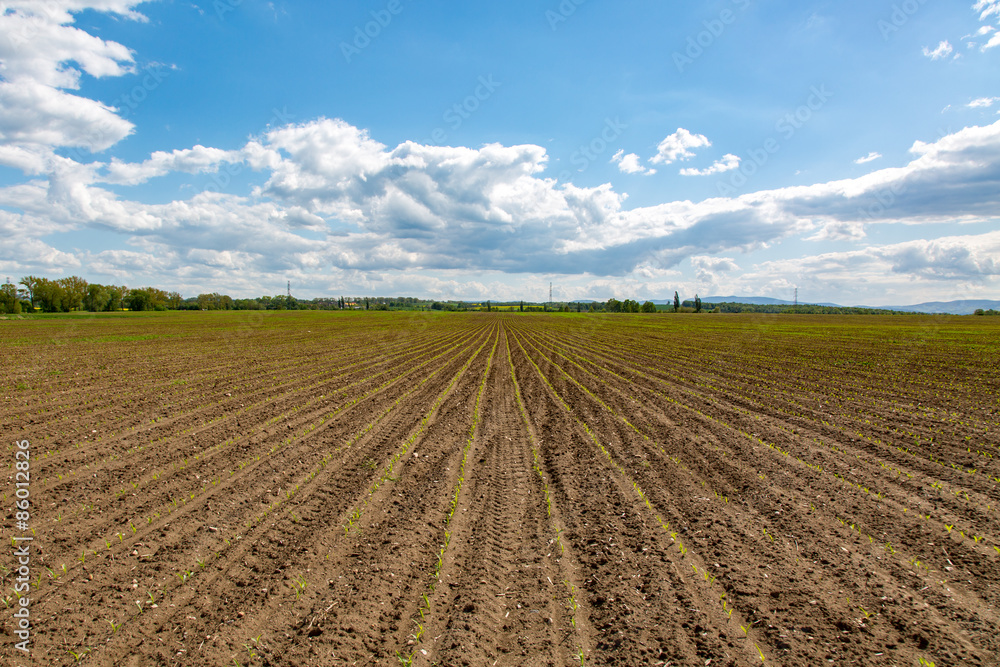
[(368, 488)]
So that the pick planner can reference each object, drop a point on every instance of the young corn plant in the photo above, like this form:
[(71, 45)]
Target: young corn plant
[(572, 603), (300, 584), (251, 653), (78, 656)]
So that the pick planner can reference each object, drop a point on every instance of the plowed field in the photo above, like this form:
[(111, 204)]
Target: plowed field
[(482, 489)]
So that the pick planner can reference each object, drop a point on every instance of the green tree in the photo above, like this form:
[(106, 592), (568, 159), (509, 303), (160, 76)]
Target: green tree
[(697, 304), (146, 298), (74, 291), (139, 300), (116, 296), (9, 303), (677, 302), (50, 295), (97, 298), (30, 282), (521, 308), (649, 307)]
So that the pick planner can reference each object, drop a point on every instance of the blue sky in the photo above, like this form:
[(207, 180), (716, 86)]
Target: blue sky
[(450, 150)]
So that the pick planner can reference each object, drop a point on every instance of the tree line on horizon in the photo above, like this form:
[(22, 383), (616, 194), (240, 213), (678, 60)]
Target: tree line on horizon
[(33, 293), (62, 295)]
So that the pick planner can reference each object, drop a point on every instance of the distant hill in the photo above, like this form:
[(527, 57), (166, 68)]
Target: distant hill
[(966, 307), (760, 301), (963, 307), (754, 300)]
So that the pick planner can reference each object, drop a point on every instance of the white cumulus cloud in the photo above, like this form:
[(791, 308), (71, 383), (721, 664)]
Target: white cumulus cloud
[(678, 146), (943, 50), (966, 258), (871, 157), (727, 163), (983, 102), (987, 8), (198, 159), (42, 55), (708, 269), (629, 164)]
